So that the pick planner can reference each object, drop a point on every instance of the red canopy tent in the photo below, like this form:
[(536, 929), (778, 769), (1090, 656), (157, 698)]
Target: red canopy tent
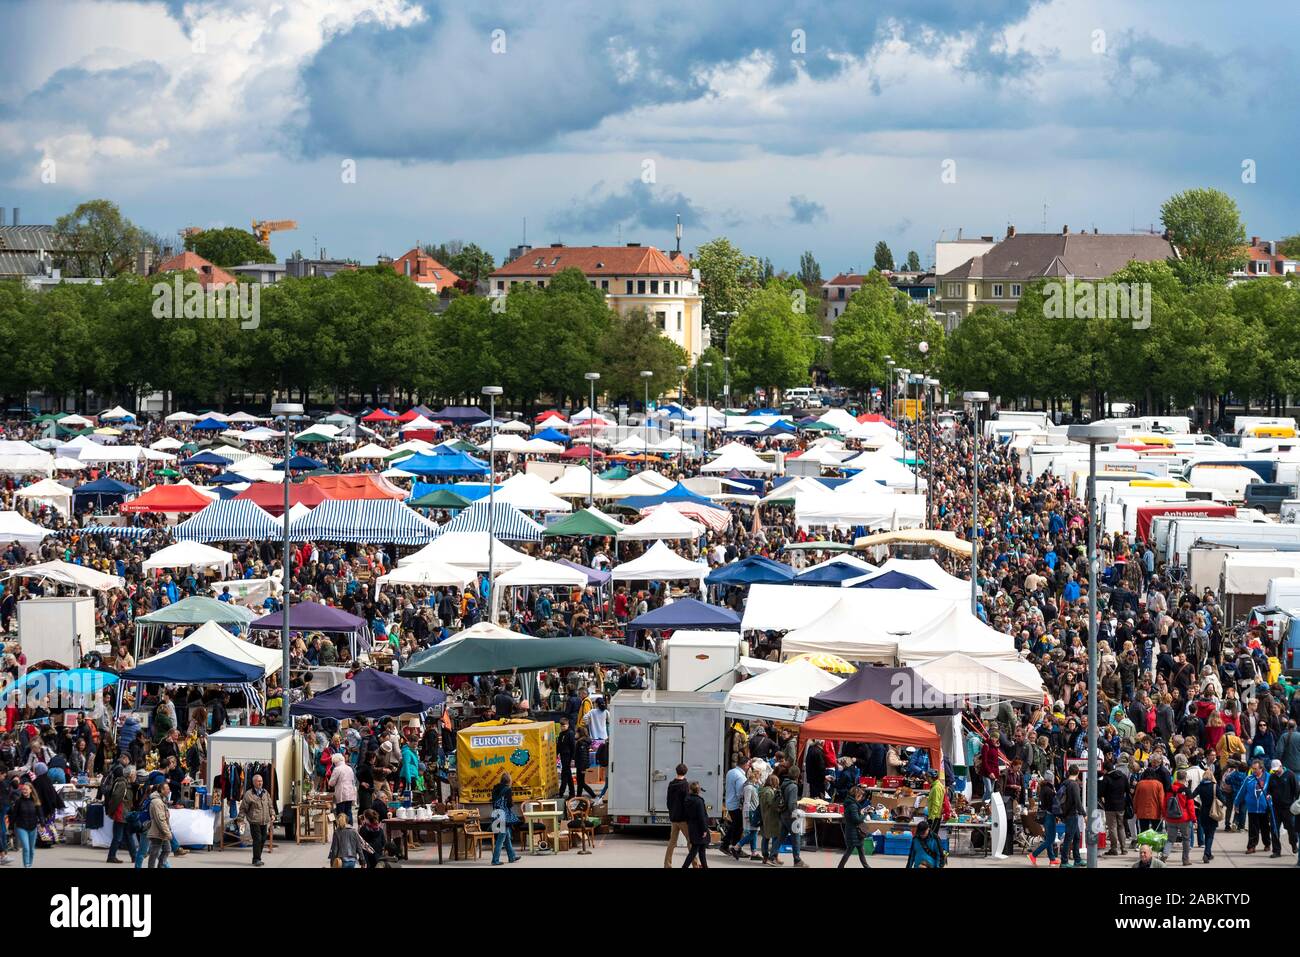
[(874, 417), (380, 415), (270, 496), (581, 452), (168, 498), (873, 722), (550, 414), (354, 485)]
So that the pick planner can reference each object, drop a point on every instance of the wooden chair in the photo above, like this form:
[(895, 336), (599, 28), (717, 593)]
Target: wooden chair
[(579, 813), (476, 837)]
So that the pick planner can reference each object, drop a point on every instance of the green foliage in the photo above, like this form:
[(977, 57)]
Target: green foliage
[(810, 271), (1205, 225), (634, 343), (1290, 247), (913, 261), (772, 345), (884, 258), (228, 247), (727, 279), (865, 333), (97, 241)]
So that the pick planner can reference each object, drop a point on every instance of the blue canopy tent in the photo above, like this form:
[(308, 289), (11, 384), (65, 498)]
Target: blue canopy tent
[(210, 425), (678, 493), (236, 520), (101, 493), (229, 478), (685, 613), (460, 414), (48, 681), (755, 570), (470, 491), (834, 575), (552, 435), (448, 463), (194, 665), (299, 463), (895, 579), (207, 458), (372, 694)]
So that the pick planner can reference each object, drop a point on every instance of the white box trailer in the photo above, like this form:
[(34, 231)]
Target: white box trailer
[(701, 660), (650, 733), (56, 629), (1283, 592), (1185, 532)]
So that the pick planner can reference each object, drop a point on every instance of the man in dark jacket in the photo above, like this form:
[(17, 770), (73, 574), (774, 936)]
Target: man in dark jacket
[(1282, 791), (1071, 809), (564, 745), (1114, 801), (814, 765), (678, 788)]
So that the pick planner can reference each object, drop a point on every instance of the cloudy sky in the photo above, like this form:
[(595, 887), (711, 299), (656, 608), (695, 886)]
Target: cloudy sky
[(783, 125)]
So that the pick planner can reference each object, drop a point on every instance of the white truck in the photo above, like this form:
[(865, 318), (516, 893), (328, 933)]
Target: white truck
[(650, 733), (1183, 533), (701, 660), (56, 629)]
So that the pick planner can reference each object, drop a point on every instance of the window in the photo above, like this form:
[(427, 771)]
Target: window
[(954, 290), (654, 286), (541, 283), (593, 283), (661, 320), (997, 290), (840, 292), (677, 287), (1015, 290), (629, 287), (604, 284), (679, 320), (1261, 267), (640, 287), (501, 285)]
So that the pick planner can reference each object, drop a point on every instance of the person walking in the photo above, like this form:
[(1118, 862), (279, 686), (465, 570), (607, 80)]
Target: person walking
[(852, 823), (769, 804), (678, 788), (160, 827), (1208, 806), (346, 845), (118, 804), (24, 816), (697, 826), (1253, 796), (1051, 806), (257, 808), (790, 828), (564, 746), (343, 781), (733, 796), (1114, 801), (581, 761), (503, 816), (1071, 812), (1180, 813), (750, 814)]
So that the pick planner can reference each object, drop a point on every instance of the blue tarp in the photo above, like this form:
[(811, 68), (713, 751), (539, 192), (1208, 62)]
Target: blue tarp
[(678, 493), (834, 574), (372, 694), (755, 570), (895, 579), (194, 665), (451, 463), (687, 613)]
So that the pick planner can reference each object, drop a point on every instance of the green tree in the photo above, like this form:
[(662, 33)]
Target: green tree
[(983, 354), (634, 343), (471, 263), (865, 333), (913, 261), (884, 258), (228, 247), (810, 271), (1205, 226), (728, 278), (1290, 247), (97, 241), (772, 345)]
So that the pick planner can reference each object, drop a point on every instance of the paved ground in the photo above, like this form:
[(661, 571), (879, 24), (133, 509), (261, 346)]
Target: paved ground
[(642, 848)]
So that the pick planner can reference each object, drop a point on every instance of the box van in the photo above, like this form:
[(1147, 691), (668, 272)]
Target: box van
[(1230, 479)]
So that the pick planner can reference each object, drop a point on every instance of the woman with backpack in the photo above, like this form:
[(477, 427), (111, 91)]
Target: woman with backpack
[(750, 815), (1209, 812)]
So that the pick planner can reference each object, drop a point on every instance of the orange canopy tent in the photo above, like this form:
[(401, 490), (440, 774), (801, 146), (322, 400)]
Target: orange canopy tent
[(168, 498), (874, 722), (351, 486)]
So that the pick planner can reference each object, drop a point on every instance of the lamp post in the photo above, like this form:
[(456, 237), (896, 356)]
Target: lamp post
[(1092, 435), (492, 391), (975, 398), (708, 405), (592, 378), (930, 386), (923, 347), (286, 409), (889, 386), (646, 375)]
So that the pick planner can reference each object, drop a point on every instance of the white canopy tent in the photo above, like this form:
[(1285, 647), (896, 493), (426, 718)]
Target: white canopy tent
[(742, 457), (790, 684), (368, 451), (577, 481), (534, 571), (529, 493), (648, 482), (542, 447), (214, 638), (956, 631), (21, 458), (189, 554), (875, 469), (182, 417), (844, 631), (76, 421), (838, 419), (984, 680), (465, 550), (65, 573), (928, 571), (15, 528), (660, 563), (427, 574), (166, 444), (65, 463), (777, 608), (111, 454), (49, 492), (662, 523), (880, 509)]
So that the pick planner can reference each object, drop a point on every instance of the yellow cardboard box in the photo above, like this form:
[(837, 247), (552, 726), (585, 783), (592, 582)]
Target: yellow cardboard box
[(524, 748)]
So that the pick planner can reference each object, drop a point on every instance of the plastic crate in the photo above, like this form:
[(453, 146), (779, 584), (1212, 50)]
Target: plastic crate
[(900, 845)]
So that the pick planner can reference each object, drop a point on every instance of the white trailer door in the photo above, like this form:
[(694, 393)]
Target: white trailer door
[(667, 750)]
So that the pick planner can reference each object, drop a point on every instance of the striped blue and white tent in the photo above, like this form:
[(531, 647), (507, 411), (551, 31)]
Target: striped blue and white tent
[(232, 520), (125, 532), (365, 521), (508, 523)]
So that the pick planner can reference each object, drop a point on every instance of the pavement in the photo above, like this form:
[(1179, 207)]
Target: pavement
[(639, 848)]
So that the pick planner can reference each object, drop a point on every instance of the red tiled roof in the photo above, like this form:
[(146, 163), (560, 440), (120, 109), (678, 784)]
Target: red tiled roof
[(596, 261), (847, 279), (425, 270), (209, 275)]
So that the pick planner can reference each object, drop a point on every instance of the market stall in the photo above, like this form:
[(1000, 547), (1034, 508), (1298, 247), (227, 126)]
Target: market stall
[(524, 748)]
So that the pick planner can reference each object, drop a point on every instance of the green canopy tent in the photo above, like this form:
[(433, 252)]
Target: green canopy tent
[(440, 498), (479, 655), (315, 438), (616, 474), (582, 524), (190, 613)]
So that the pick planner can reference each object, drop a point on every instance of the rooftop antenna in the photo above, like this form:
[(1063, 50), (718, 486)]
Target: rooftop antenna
[(525, 239), (315, 248), (1044, 216), (620, 235), (679, 232)]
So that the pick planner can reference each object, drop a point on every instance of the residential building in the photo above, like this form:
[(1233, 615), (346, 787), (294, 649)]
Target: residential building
[(423, 270), (210, 276), (268, 274), (299, 267), (1263, 259), (951, 253), (998, 277), (631, 277), (836, 293), (26, 251)]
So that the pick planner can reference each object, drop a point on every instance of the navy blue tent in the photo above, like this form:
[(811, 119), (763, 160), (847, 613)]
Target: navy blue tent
[(833, 574), (101, 492), (210, 425), (895, 579), (228, 478), (678, 493), (687, 613), (207, 458), (755, 570), (460, 413), (300, 463), (372, 694), (901, 688), (194, 665)]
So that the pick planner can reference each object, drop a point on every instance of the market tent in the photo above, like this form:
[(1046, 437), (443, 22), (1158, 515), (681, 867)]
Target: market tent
[(678, 493), (769, 608), (355, 486), (189, 555), (428, 574), (443, 463), (209, 424), (582, 452), (22, 457), (464, 550), (306, 616), (379, 415), (594, 575), (481, 655), (50, 681), (792, 685), (872, 722), (460, 415), (372, 693), (270, 497), (983, 680), (299, 463), (168, 498), (111, 454), (505, 521), (65, 573), (871, 509), (917, 536), (443, 498), (234, 520), (662, 524), (584, 523), (207, 458), (542, 573), (531, 494), (578, 482), (959, 631), (182, 417), (877, 468), (893, 579), (660, 563), (751, 571), (903, 689), (835, 571), (196, 610), (16, 528), (687, 613), (645, 482), (49, 492), (193, 664), (552, 435), (368, 451), (926, 570), (215, 639), (786, 492), (843, 631), (742, 457), (364, 521)]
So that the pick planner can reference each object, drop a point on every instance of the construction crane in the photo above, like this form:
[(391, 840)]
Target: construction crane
[(264, 228)]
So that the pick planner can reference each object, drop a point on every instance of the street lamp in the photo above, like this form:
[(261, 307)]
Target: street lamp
[(286, 409), (708, 405), (889, 386), (975, 398), (681, 452), (1092, 435), (492, 391), (592, 378), (923, 347), (930, 386), (646, 374)]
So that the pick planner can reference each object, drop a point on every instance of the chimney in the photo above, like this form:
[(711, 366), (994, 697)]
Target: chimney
[(679, 233), (1011, 231), (1065, 230), (2, 215), (1254, 240), (15, 215), (1272, 247), (1166, 236)]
